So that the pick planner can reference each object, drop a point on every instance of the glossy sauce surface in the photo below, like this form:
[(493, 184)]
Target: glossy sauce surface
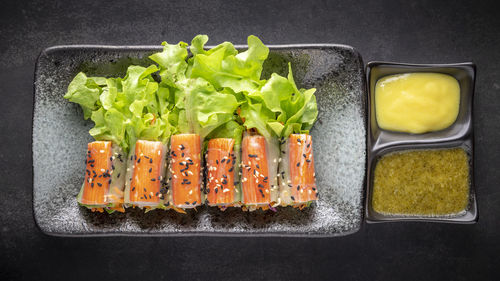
[(417, 102)]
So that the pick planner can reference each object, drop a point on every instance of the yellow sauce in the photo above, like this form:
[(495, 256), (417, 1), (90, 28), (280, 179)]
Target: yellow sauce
[(422, 182), (417, 102)]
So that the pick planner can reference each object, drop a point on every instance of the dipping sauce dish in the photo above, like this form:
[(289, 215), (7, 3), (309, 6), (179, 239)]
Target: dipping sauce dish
[(383, 144)]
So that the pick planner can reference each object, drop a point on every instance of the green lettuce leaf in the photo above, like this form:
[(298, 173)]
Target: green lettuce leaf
[(293, 110), (201, 108), (124, 109), (222, 66)]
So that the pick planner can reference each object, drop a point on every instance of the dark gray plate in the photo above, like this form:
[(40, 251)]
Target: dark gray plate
[(60, 136), (458, 135)]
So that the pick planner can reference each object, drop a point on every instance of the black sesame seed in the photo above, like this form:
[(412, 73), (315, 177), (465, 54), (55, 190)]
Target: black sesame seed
[(194, 203), (308, 161), (153, 179), (230, 169), (92, 165), (308, 145), (150, 160), (283, 152), (305, 156), (299, 140), (292, 198), (187, 203), (99, 184), (133, 188), (109, 182), (224, 176), (298, 164), (157, 193), (131, 157), (150, 169), (145, 156), (216, 190), (216, 161), (145, 190), (252, 155), (257, 165), (223, 160), (182, 155), (92, 185), (149, 196), (188, 182), (298, 187), (224, 181), (260, 185), (139, 160)]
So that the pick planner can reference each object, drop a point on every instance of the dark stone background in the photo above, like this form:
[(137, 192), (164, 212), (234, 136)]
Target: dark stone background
[(410, 31)]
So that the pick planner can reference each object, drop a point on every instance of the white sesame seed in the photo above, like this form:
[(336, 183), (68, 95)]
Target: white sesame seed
[(101, 151), (190, 192), (102, 170), (225, 190)]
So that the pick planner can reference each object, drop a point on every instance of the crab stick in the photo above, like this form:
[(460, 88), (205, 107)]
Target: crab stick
[(222, 173), (258, 172), (185, 170), (297, 176), (104, 176), (146, 185)]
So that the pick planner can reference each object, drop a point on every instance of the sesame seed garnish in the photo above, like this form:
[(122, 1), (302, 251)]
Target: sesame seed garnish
[(292, 198), (298, 164), (133, 188), (150, 169), (308, 145), (99, 184), (252, 155), (101, 151), (153, 179), (145, 190), (308, 160)]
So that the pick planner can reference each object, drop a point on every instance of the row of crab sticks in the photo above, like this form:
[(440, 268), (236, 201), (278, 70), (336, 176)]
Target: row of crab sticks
[(260, 180)]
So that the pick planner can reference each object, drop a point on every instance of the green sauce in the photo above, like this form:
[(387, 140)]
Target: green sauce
[(422, 182)]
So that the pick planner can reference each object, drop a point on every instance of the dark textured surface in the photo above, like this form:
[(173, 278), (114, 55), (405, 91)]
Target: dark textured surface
[(419, 32)]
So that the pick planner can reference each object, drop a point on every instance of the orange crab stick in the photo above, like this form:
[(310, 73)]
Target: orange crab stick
[(299, 184), (97, 173), (221, 171), (255, 174), (148, 171), (185, 170)]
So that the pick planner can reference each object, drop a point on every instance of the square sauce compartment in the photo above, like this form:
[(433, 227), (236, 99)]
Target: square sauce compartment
[(459, 135)]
